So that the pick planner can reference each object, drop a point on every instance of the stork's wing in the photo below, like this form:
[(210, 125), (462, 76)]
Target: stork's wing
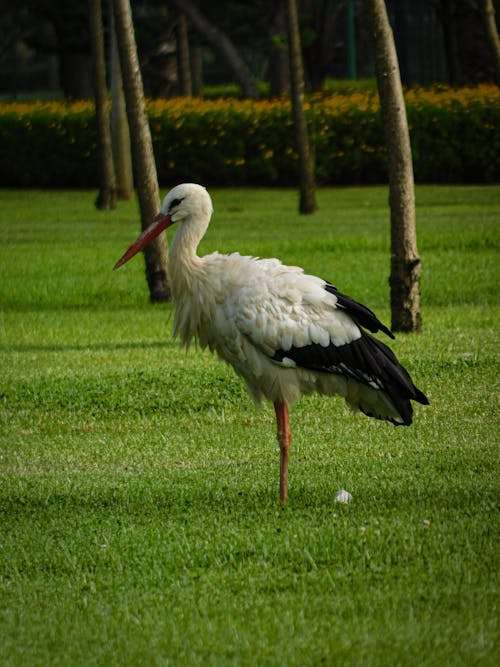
[(359, 313), (301, 320), (279, 308)]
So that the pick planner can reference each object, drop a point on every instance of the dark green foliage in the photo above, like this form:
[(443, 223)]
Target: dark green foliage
[(228, 142)]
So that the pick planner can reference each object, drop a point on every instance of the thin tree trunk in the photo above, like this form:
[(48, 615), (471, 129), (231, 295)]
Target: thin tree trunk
[(221, 43), (197, 70), (120, 133), (183, 66), (146, 178), (74, 74), (306, 161), (492, 34), (106, 199), (279, 70), (447, 16), (405, 261)]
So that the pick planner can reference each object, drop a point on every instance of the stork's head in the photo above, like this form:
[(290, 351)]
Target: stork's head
[(188, 203)]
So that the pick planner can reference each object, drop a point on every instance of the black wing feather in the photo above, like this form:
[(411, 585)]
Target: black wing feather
[(359, 313), (365, 359)]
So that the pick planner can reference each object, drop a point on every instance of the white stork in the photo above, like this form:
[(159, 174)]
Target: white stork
[(284, 332)]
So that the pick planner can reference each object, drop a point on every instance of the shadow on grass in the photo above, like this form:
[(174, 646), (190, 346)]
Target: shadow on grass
[(238, 492), (91, 347)]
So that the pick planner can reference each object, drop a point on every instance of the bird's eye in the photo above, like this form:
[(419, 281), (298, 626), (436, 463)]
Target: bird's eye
[(175, 203)]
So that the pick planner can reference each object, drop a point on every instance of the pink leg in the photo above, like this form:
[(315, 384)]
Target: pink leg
[(284, 439)]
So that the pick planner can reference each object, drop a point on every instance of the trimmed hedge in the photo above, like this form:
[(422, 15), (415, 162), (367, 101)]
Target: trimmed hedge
[(454, 135)]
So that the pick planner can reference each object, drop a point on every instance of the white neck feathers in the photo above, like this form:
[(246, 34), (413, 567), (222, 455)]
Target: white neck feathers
[(186, 275)]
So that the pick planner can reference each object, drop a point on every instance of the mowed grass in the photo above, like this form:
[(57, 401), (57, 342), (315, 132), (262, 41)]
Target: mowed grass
[(139, 522)]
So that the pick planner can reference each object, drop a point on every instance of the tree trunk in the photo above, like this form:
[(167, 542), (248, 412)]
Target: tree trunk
[(492, 35), (73, 74), (221, 43), (405, 261), (106, 199), (319, 53), (120, 134), (306, 162), (183, 66), (448, 19), (279, 78), (279, 71), (146, 178), (196, 70)]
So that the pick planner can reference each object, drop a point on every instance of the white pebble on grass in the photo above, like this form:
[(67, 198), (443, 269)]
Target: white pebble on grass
[(343, 496)]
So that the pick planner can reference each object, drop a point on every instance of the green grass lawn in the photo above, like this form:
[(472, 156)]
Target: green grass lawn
[(139, 522)]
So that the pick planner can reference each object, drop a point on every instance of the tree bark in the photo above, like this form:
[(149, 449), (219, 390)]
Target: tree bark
[(492, 34), (319, 53), (307, 202), (120, 133), (183, 66), (279, 70), (73, 74), (405, 261), (447, 16), (106, 199), (196, 70), (221, 43), (146, 178)]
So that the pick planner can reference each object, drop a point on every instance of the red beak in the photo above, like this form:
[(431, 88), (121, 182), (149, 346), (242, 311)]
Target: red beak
[(161, 222)]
